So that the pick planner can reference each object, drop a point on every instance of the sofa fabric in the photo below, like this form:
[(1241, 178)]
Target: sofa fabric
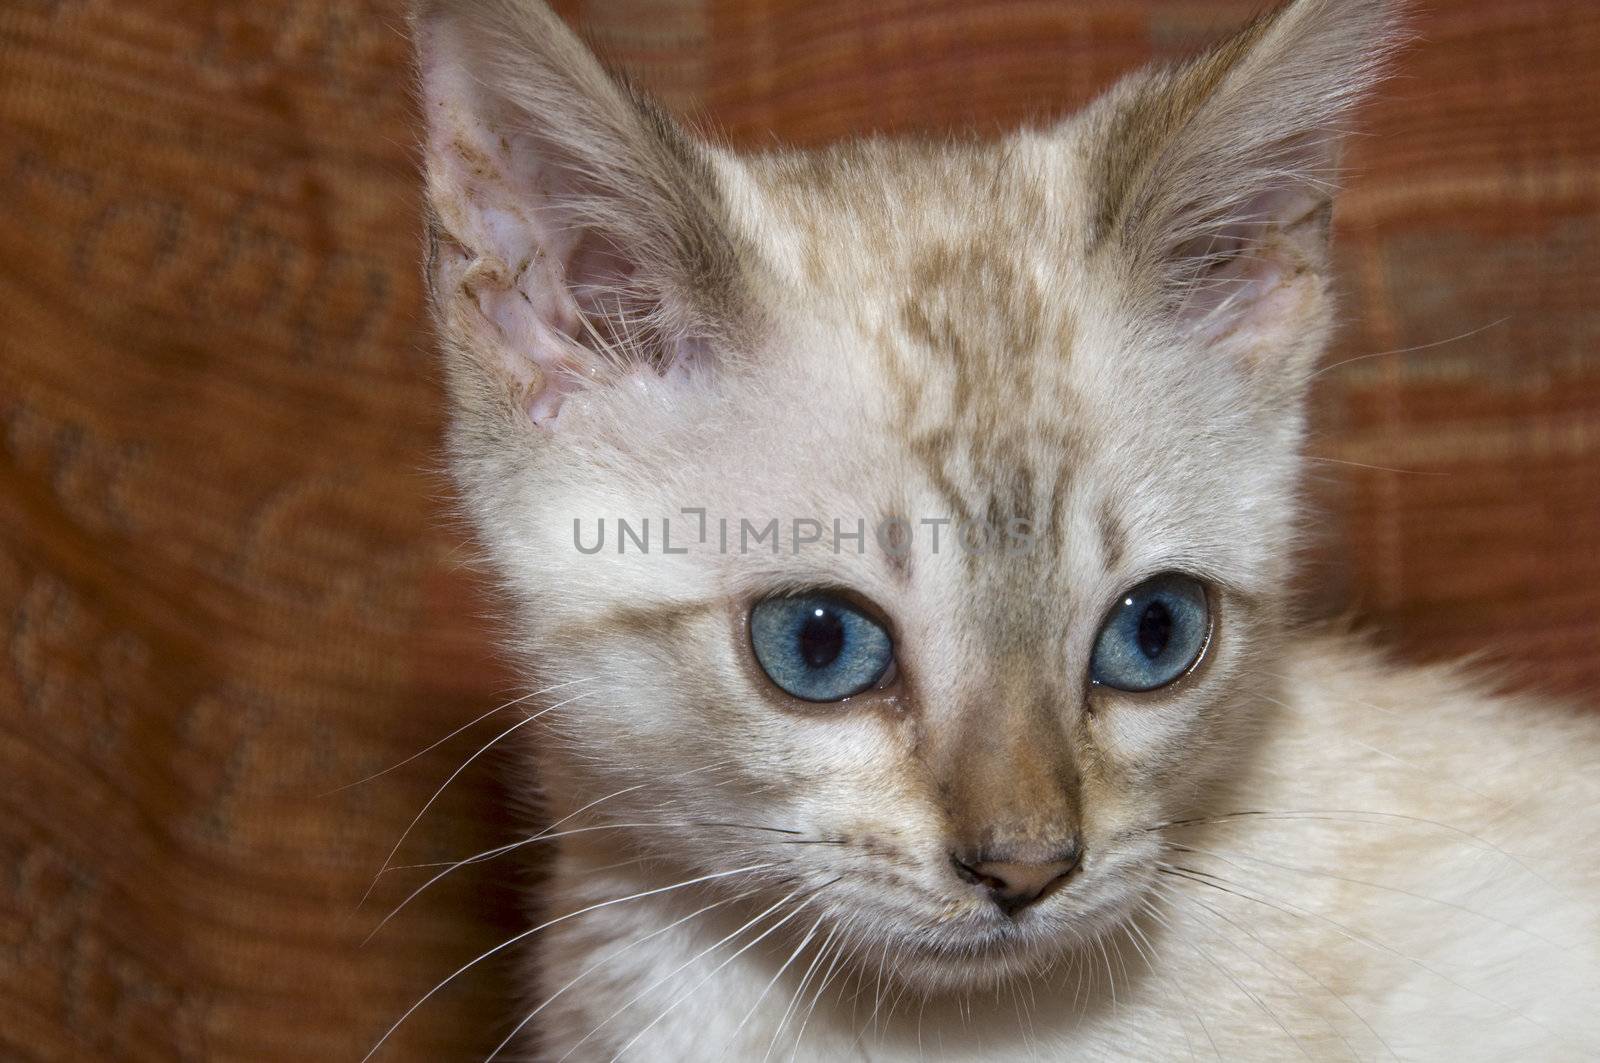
[(231, 581)]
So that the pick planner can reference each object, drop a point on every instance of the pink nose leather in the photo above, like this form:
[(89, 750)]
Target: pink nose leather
[(1012, 884), (1028, 879)]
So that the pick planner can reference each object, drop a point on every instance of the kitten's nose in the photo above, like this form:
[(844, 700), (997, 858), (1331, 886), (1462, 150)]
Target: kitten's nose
[(1013, 880)]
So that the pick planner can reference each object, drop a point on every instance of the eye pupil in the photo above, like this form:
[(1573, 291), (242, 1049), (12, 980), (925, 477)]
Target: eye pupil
[(1155, 630), (821, 638)]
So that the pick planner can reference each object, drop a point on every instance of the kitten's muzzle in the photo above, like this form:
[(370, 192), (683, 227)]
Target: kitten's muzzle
[(1015, 879)]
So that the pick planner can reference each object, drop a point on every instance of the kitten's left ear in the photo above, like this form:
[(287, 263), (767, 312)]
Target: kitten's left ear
[(1215, 178)]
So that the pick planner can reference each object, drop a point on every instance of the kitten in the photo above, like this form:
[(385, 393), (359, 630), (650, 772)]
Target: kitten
[(898, 537)]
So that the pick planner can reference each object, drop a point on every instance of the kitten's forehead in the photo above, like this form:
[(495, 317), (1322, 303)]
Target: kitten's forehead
[(956, 272), (950, 321), (867, 221)]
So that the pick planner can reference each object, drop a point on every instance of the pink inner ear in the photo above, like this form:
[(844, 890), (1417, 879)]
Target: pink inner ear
[(504, 271), (1229, 292), (1245, 280)]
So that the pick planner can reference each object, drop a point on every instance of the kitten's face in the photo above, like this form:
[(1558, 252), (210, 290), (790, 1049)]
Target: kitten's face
[(940, 748)]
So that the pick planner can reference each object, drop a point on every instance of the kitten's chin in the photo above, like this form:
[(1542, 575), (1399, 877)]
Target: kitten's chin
[(979, 957), (980, 949), (940, 968)]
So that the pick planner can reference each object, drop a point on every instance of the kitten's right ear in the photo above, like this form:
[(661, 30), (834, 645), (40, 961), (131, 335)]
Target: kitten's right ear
[(574, 232), (1214, 179)]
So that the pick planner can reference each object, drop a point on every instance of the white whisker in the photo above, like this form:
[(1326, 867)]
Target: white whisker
[(709, 975), (524, 935), (1409, 350), (530, 1016), (798, 949), (799, 989), (453, 776), (466, 726)]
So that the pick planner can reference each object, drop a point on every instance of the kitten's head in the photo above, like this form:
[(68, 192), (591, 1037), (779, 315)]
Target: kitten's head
[(1026, 416)]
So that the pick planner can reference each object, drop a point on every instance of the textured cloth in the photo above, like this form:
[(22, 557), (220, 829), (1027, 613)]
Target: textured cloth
[(229, 580)]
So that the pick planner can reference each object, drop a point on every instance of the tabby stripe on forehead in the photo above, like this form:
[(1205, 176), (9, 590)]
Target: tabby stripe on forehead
[(1113, 536), (933, 450)]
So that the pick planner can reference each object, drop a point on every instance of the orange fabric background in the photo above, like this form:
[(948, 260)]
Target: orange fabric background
[(228, 578)]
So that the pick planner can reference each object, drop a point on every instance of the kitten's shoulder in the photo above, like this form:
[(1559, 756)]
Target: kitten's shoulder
[(1441, 737), (1342, 677), (1426, 847)]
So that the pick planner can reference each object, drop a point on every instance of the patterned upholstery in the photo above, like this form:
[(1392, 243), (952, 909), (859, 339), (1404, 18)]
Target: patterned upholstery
[(229, 581)]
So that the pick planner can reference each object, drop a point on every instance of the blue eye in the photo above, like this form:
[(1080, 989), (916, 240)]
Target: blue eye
[(1155, 634), (819, 648)]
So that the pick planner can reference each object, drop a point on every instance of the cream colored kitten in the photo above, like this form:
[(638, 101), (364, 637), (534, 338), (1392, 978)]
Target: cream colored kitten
[(899, 534)]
